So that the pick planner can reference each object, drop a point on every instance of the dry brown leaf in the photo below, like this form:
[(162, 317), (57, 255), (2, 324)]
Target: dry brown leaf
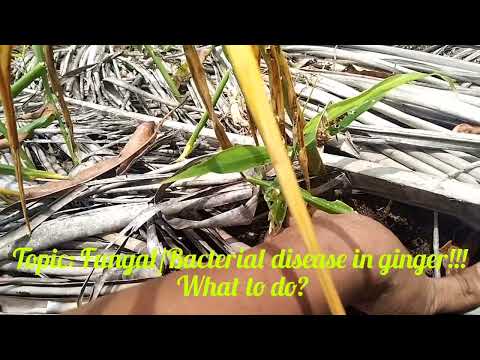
[(467, 129), (293, 109), (445, 250), (34, 114), (137, 146), (353, 69), (140, 140)]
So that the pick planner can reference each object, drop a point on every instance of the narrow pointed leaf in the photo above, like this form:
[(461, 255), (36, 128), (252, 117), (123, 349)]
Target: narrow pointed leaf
[(375, 92), (235, 159)]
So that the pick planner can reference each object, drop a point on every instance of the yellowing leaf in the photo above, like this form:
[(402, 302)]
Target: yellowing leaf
[(248, 74)]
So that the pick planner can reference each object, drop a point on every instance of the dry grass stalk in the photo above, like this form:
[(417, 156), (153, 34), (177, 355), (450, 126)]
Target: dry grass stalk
[(11, 123)]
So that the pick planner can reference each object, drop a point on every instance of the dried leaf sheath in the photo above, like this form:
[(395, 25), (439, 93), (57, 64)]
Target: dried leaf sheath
[(251, 123), (199, 78), (276, 90), (251, 83), (293, 109), (10, 121)]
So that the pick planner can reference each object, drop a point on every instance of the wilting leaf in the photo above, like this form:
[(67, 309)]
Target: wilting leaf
[(249, 77)]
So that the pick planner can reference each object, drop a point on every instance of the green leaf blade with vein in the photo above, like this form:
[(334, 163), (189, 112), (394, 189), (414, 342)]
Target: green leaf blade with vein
[(359, 104), (375, 92), (235, 159), (350, 117)]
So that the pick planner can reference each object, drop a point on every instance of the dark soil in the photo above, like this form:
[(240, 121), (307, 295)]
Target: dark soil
[(412, 225)]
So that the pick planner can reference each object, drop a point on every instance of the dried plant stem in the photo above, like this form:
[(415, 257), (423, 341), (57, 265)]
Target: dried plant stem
[(276, 91), (200, 80), (293, 109), (10, 121)]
